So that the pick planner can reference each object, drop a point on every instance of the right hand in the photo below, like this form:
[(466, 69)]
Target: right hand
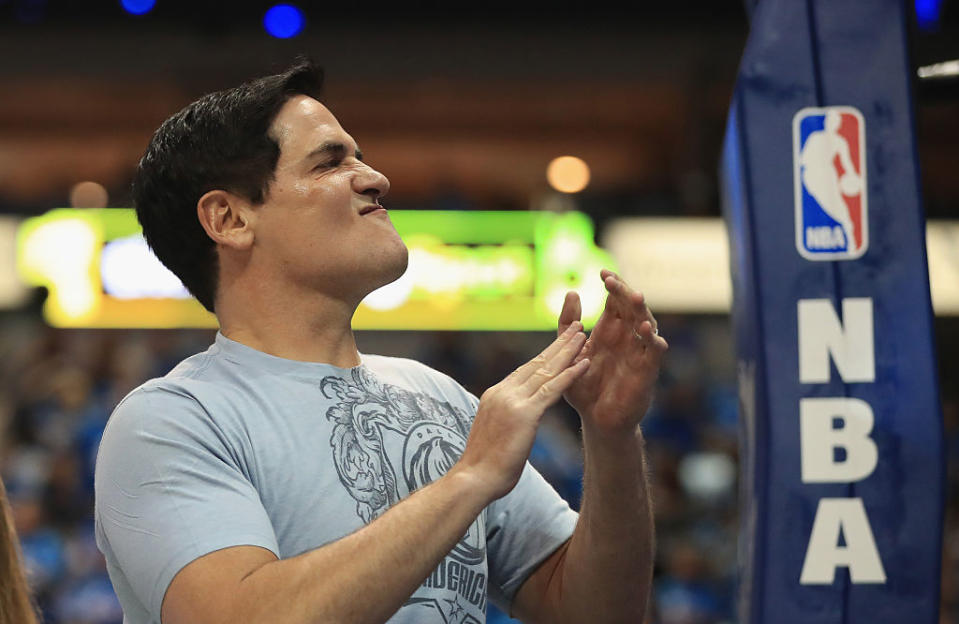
[(509, 413)]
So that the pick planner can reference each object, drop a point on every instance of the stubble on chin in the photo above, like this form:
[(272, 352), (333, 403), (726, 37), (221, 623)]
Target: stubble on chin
[(402, 262)]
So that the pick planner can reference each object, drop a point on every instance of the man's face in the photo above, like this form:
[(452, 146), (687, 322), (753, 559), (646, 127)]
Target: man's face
[(318, 227)]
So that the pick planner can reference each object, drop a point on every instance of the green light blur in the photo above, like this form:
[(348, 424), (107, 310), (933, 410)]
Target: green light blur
[(479, 270)]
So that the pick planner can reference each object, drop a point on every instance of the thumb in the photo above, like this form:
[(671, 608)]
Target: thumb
[(572, 310)]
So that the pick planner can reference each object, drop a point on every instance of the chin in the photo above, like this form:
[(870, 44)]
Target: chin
[(393, 264), (402, 263)]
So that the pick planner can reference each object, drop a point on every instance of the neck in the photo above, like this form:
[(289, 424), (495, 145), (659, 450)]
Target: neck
[(304, 326)]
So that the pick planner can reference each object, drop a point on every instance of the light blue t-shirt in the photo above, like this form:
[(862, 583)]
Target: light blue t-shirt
[(237, 447)]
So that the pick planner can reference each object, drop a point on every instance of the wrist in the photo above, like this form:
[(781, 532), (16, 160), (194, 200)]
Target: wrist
[(610, 431), (617, 461), (472, 485), (615, 442)]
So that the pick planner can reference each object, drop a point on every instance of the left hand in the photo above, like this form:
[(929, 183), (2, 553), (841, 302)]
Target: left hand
[(625, 350)]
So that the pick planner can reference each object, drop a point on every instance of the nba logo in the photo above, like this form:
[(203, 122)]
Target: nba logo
[(829, 163)]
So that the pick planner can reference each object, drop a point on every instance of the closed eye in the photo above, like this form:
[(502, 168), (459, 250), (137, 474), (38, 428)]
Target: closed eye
[(330, 164), (334, 153)]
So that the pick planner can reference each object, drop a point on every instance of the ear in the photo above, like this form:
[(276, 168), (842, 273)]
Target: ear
[(227, 219)]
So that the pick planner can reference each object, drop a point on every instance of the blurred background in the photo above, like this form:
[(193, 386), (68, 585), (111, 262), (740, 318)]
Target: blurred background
[(464, 108)]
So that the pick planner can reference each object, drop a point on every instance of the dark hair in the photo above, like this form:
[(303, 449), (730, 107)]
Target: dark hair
[(220, 141)]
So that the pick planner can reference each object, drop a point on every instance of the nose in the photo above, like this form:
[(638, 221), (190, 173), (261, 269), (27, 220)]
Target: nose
[(371, 182)]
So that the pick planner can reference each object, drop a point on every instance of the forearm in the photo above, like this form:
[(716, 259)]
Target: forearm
[(368, 575), (608, 567)]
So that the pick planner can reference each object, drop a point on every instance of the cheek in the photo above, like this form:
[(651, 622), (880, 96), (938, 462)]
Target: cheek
[(299, 190), (332, 205)]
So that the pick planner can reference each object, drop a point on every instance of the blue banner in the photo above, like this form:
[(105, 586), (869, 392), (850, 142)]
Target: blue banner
[(841, 436)]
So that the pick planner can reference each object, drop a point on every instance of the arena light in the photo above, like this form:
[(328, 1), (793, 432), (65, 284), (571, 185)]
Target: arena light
[(942, 241), (945, 70), (89, 195), (283, 21), (137, 7), (477, 270), (568, 174), (928, 13)]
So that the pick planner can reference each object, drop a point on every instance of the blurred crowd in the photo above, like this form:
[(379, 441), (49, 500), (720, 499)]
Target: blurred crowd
[(59, 387)]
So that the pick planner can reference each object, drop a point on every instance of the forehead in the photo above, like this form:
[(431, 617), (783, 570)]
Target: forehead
[(302, 124)]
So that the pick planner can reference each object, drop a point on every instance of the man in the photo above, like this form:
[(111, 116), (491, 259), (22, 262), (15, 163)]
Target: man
[(281, 476)]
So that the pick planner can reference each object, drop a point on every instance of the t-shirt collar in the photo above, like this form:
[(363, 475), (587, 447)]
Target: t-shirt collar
[(248, 356)]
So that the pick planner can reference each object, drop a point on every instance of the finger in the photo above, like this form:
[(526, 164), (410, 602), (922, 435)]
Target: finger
[(559, 362), (585, 351), (651, 340), (639, 340), (634, 307), (549, 392), (619, 299), (639, 307), (652, 320), (606, 273), (612, 321), (616, 284), (645, 333), (572, 310), (522, 373), (608, 328)]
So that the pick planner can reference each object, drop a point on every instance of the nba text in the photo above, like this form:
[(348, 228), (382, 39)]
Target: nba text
[(835, 442)]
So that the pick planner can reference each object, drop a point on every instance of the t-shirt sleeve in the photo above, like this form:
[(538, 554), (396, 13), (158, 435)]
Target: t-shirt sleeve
[(169, 490), (523, 529)]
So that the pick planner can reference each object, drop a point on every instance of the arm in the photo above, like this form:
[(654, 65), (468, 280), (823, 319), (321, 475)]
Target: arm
[(249, 584), (604, 572)]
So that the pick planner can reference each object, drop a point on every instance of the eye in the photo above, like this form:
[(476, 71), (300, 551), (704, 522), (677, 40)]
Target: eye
[(329, 164)]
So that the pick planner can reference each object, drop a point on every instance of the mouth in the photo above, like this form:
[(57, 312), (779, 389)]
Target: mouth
[(371, 208)]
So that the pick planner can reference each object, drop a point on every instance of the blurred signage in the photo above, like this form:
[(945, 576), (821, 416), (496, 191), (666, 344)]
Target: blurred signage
[(477, 270), (682, 265), (942, 249), (12, 291)]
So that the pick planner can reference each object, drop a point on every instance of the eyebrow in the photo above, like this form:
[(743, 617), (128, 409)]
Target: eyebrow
[(333, 148)]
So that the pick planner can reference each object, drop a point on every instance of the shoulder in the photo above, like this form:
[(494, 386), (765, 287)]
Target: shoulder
[(181, 401), (155, 410), (163, 427)]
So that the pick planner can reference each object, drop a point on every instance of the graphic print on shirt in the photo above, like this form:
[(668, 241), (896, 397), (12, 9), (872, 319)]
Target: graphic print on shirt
[(387, 443)]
